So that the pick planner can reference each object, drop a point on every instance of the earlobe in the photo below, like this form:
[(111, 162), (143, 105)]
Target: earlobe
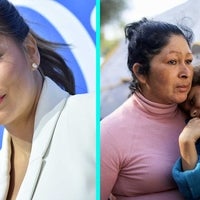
[(30, 45), (137, 71)]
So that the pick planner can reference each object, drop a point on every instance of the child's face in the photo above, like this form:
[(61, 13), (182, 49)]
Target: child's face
[(192, 104)]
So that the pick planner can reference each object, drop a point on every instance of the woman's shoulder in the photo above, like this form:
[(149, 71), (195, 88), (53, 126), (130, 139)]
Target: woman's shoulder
[(85, 98), (120, 116), (116, 127), (78, 119), (84, 103), (81, 108)]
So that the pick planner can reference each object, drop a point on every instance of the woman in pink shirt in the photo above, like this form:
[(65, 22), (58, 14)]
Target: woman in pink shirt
[(139, 140)]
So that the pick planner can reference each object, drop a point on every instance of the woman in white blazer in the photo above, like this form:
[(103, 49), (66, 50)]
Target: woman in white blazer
[(48, 147)]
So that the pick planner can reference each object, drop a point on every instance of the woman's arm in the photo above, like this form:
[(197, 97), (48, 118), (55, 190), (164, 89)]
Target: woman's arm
[(109, 163)]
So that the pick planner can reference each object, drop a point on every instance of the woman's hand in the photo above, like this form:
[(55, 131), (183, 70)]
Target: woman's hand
[(187, 140)]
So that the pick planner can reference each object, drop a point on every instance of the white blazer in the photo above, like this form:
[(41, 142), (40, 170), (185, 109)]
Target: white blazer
[(62, 160)]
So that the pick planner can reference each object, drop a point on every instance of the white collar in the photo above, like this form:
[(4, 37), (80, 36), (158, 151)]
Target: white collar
[(51, 102)]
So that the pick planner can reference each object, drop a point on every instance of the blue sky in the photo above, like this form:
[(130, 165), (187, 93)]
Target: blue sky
[(138, 9)]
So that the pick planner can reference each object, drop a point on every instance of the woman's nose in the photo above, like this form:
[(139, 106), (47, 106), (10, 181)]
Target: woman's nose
[(185, 72)]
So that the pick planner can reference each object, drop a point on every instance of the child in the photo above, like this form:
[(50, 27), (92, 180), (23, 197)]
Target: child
[(186, 171)]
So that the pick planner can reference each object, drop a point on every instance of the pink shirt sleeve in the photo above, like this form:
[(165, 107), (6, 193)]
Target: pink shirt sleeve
[(110, 163)]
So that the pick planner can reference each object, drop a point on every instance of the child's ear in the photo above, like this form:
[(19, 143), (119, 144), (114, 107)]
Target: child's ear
[(31, 48)]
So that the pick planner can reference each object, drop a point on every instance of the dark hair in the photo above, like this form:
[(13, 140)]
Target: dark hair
[(52, 64), (146, 39), (196, 76)]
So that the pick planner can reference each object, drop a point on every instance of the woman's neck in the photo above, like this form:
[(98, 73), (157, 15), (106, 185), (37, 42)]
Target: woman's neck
[(21, 144), (22, 128)]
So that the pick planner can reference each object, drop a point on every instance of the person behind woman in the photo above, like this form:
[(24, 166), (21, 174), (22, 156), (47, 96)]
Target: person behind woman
[(48, 144), (186, 171), (139, 139)]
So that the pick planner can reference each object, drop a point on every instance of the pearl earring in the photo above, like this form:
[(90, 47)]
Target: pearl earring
[(34, 66)]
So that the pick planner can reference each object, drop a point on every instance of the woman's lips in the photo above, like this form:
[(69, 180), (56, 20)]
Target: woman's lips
[(183, 88)]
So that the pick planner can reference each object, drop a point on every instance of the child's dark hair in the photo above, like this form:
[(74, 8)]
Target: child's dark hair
[(196, 76)]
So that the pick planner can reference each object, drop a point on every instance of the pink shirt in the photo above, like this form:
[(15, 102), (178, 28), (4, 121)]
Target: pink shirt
[(139, 145)]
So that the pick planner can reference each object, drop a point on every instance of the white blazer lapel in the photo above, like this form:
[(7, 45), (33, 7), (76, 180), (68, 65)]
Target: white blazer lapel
[(50, 105), (5, 154)]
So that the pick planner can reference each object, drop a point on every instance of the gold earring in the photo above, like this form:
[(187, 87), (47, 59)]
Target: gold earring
[(34, 66)]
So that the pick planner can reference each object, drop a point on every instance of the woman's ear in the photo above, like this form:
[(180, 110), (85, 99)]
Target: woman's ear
[(136, 69), (31, 49)]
